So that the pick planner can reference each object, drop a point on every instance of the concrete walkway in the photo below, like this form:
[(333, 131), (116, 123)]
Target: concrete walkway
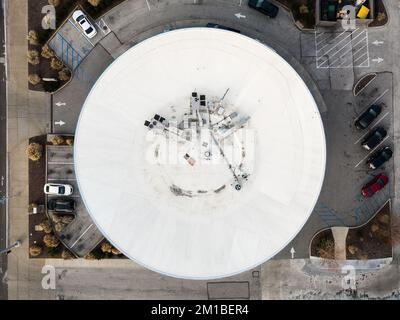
[(28, 115), (340, 235)]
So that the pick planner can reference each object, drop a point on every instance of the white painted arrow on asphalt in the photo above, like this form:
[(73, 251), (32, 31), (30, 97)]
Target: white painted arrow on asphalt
[(60, 123), (239, 16), (292, 251), (59, 104), (377, 60), (377, 42)]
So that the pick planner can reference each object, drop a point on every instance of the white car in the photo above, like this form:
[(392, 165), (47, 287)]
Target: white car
[(58, 189), (82, 20)]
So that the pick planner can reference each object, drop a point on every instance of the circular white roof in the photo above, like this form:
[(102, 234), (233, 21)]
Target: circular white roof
[(182, 216)]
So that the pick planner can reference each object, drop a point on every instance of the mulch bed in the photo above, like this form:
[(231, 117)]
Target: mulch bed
[(363, 83), (35, 17), (319, 247), (372, 241), (37, 179), (307, 19), (380, 10)]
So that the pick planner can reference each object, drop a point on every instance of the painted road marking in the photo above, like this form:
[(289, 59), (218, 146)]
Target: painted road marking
[(148, 5), (371, 152), (80, 32), (80, 237), (59, 123), (384, 116), (377, 60), (240, 15), (352, 46)]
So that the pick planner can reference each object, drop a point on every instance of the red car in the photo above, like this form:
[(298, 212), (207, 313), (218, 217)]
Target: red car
[(376, 184)]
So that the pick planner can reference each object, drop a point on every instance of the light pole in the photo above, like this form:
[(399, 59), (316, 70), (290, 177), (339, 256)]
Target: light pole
[(8, 249)]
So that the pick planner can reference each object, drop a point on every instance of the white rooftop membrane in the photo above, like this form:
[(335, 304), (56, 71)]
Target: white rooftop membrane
[(218, 234)]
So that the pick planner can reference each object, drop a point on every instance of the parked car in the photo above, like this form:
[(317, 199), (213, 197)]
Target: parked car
[(264, 7), (363, 121), (380, 157), (218, 26), (82, 20), (374, 138), (61, 205), (375, 185), (58, 189)]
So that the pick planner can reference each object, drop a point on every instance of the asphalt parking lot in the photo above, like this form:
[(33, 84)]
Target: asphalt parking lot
[(347, 170), (340, 202), (81, 235), (72, 45)]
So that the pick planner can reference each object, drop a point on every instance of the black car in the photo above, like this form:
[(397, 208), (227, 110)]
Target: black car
[(374, 138), (218, 26), (379, 158), (61, 205), (264, 7), (368, 116)]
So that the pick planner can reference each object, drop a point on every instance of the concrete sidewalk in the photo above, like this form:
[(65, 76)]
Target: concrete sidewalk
[(28, 115)]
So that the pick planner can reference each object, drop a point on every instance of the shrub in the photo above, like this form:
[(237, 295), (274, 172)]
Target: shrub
[(64, 74), (115, 251), (33, 57), (90, 256), (34, 151), (69, 141), (33, 37), (56, 64), (47, 52), (59, 226), (54, 2), (326, 249), (106, 247), (381, 16), (35, 250), (34, 79), (66, 254), (94, 3), (57, 140), (51, 241), (56, 218), (67, 219), (46, 226)]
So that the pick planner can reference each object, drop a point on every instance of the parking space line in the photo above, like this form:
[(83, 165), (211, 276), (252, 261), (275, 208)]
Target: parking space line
[(343, 55), (376, 123), (360, 57), (380, 97), (355, 53), (80, 237), (80, 31), (376, 100), (367, 42), (338, 43), (371, 152), (326, 38), (332, 40), (148, 5)]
